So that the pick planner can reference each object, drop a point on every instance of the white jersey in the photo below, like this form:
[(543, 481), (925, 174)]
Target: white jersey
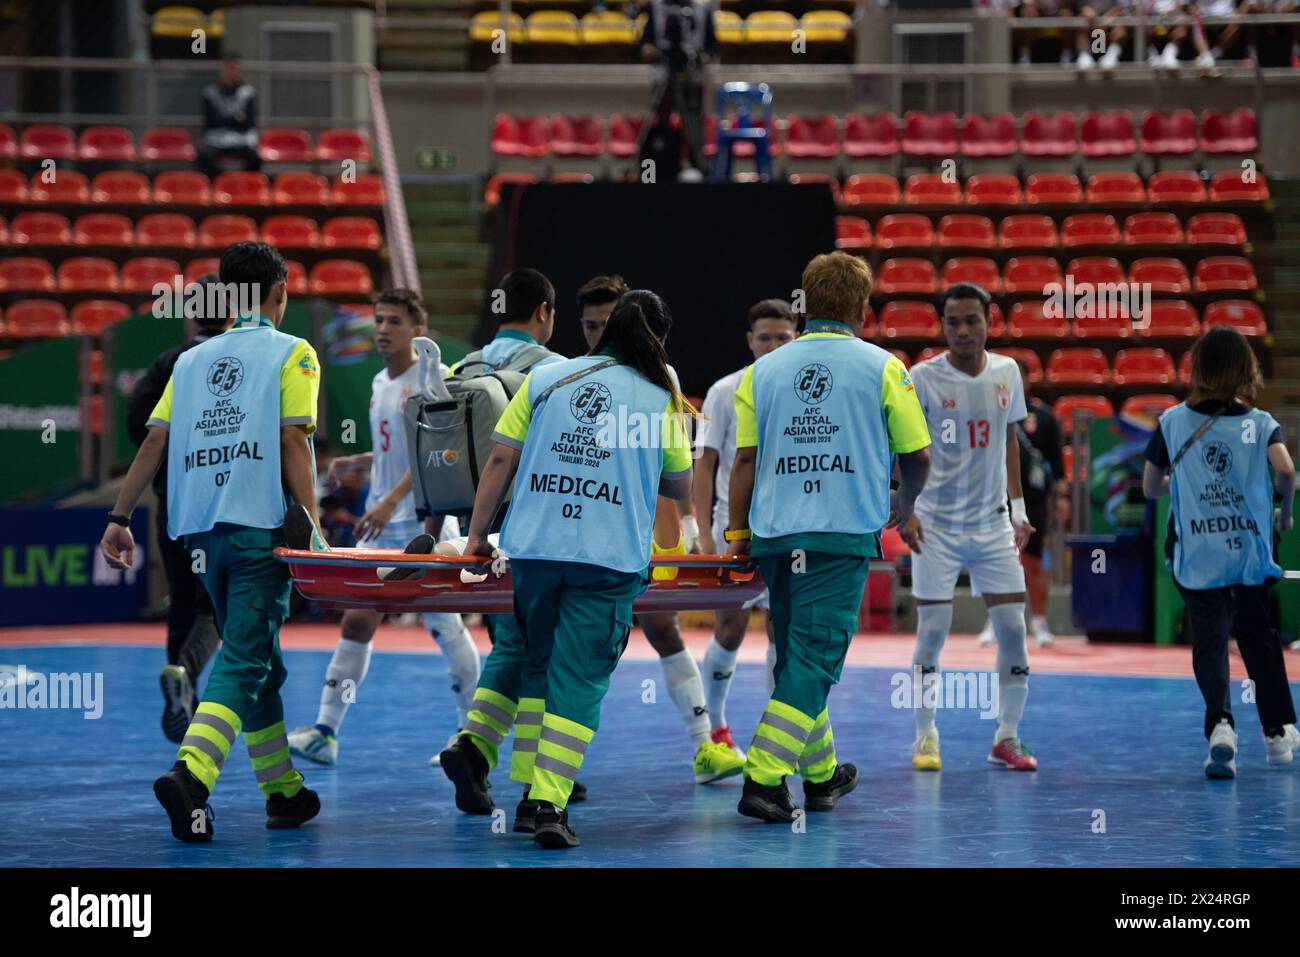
[(718, 431), (968, 418), (388, 433)]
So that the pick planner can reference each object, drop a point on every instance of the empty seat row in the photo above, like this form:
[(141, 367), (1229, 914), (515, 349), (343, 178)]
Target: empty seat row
[(85, 274), (174, 144), (178, 230), (1031, 231), (604, 27), (44, 319), (186, 188)]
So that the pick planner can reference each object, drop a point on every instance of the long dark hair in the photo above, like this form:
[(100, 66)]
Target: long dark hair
[(635, 333), (1224, 367)]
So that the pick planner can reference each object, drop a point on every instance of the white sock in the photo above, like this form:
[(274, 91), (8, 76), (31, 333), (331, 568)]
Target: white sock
[(1013, 667), (719, 666), (462, 659), (687, 690), (346, 671), (771, 668), (933, 622)]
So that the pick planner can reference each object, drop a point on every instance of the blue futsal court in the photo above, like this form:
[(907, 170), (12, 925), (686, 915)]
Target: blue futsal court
[(78, 792)]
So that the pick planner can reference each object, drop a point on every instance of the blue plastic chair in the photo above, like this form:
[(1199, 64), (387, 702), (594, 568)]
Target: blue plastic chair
[(745, 98)]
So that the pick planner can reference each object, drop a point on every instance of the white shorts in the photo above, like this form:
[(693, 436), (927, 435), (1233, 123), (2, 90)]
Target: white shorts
[(720, 519), (399, 534), (989, 556)]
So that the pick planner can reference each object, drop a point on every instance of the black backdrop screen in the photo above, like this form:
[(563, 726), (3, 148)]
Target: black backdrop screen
[(710, 249)]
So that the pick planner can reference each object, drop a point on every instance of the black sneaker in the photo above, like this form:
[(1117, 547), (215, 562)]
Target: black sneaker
[(822, 797), (467, 769), (422, 544), (525, 815), (771, 804), (178, 702), (551, 827), (185, 800), (579, 793), (283, 813)]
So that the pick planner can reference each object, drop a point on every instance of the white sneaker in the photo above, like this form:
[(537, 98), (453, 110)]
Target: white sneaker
[(986, 636), (1085, 61), (1279, 749), (1169, 58), (1205, 61), (311, 745), (436, 760), (1110, 59), (1153, 59), (1023, 59), (1043, 636), (1221, 763)]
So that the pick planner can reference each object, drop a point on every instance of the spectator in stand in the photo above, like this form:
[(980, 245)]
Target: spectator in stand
[(229, 138), (1097, 13), (344, 504), (1227, 37), (1041, 8)]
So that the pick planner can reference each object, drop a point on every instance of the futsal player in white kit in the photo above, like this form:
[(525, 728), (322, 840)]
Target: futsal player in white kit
[(972, 399), (389, 522)]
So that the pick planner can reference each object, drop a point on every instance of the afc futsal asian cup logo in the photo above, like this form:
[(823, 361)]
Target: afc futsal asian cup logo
[(590, 402), (225, 376), (1218, 457), (813, 383)]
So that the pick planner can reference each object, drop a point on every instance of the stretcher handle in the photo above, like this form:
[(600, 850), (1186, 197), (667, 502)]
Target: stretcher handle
[(380, 558)]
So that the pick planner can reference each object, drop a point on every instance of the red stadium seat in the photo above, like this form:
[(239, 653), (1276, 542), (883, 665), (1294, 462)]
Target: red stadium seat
[(829, 181), (167, 144), (182, 188), (1065, 407), (1053, 188), (1169, 134), (492, 191), (1153, 229), (196, 268), (1241, 314), (871, 189), (141, 275), (931, 189), (869, 324), (1172, 319), (241, 189), (166, 229), (1027, 231), (1102, 320), (812, 137), (1031, 367), (291, 232), (40, 229), (1106, 188), (37, 319), (963, 231), (625, 135), (1029, 274), (351, 232), (901, 356), (103, 229), (1164, 274), (26, 274), (852, 232), (1106, 133), (296, 283), (904, 231), (1089, 229), (1185, 368), (1078, 366), (68, 188), (746, 148), (340, 277), (1028, 322), (1226, 134), (984, 136), (1179, 186), (283, 144), (997, 321), (527, 136), (106, 144), (1234, 186), (1216, 229), (8, 142), (1148, 405), (120, 187), (1043, 135), (367, 190), (88, 274), (13, 186), (976, 269), (4, 232), (1095, 270), (1225, 274), (301, 189), (336, 146), (871, 136), (577, 136), (91, 317), (929, 134), (41, 142), (1144, 366), (993, 189), (221, 231), (906, 277), (909, 319)]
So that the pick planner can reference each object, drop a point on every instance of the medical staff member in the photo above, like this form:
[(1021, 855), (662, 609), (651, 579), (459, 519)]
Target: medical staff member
[(593, 440), (818, 423), (234, 421)]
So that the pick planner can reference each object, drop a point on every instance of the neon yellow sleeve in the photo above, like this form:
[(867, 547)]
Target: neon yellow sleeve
[(300, 387), (908, 431), (162, 412), (746, 420), (673, 440), (512, 427)]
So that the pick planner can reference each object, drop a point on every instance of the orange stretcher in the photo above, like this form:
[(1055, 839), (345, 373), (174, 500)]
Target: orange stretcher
[(352, 578)]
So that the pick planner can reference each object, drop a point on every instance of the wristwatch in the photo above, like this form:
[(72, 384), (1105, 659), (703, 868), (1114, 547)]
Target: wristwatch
[(737, 534), (114, 519)]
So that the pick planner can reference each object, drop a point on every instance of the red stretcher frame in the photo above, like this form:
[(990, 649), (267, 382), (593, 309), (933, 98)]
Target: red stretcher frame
[(349, 578)]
